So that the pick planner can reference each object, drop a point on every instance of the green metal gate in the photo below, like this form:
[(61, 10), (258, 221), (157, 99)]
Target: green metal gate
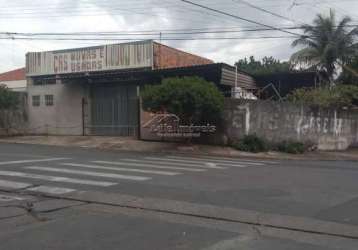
[(113, 110)]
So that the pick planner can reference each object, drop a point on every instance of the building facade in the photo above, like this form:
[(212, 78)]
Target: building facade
[(95, 90)]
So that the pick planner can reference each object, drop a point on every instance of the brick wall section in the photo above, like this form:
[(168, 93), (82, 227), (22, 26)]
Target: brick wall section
[(167, 57)]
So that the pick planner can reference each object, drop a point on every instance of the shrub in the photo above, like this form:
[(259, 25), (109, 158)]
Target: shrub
[(251, 143), (254, 144), (336, 97), (292, 147), (8, 99), (193, 99)]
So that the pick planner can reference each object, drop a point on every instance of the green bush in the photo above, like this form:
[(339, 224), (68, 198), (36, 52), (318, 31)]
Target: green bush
[(292, 147), (8, 99), (251, 143), (254, 144), (336, 97), (193, 99)]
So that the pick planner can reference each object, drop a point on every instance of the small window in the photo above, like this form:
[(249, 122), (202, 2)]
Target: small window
[(49, 100), (40, 81), (36, 100)]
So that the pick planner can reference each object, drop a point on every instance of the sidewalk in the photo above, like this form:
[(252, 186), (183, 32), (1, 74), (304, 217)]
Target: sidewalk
[(130, 144)]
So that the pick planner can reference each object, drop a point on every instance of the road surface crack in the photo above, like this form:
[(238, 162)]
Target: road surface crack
[(28, 207)]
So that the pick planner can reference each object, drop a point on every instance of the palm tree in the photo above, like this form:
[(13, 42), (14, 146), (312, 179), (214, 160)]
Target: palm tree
[(327, 44)]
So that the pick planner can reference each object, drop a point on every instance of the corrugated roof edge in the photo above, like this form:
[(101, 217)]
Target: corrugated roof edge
[(92, 47), (238, 69), (187, 67), (208, 65)]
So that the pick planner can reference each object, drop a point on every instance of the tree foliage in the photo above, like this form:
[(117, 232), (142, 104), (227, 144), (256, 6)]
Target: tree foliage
[(193, 99), (326, 44), (336, 97), (349, 73), (267, 65), (8, 99)]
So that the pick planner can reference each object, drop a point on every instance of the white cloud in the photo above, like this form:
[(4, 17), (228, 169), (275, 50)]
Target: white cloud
[(132, 15)]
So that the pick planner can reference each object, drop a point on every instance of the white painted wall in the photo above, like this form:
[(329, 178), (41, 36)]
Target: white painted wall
[(19, 85), (64, 117)]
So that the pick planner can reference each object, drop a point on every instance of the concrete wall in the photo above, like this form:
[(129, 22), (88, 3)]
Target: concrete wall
[(64, 117), (277, 122), (329, 129), (17, 85)]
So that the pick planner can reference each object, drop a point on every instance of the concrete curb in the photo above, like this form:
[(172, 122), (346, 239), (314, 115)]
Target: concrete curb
[(172, 148)]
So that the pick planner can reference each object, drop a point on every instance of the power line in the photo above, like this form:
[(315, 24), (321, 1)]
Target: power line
[(145, 33), (240, 18), (105, 9), (93, 8), (76, 12), (150, 32), (137, 39), (266, 11)]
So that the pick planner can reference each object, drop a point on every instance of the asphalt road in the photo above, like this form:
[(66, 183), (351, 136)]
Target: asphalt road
[(317, 191)]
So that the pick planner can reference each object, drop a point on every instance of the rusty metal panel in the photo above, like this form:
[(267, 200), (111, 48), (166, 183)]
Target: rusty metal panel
[(243, 80), (113, 110), (98, 58), (167, 57)]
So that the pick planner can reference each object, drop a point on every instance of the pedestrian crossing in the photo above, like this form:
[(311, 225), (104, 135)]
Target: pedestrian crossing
[(56, 178), (32, 161), (225, 159), (64, 175), (51, 190), (220, 164), (8, 198), (153, 164), (13, 185), (91, 173), (121, 169)]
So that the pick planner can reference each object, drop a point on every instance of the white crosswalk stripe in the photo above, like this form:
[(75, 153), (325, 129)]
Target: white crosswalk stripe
[(222, 162), (170, 165), (96, 174), (182, 164), (208, 158), (57, 178), (243, 160), (28, 186), (32, 161), (7, 198), (121, 169), (199, 162), (150, 165), (51, 190), (13, 184)]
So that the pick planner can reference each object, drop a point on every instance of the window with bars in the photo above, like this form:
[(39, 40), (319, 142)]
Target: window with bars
[(36, 100), (49, 100)]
